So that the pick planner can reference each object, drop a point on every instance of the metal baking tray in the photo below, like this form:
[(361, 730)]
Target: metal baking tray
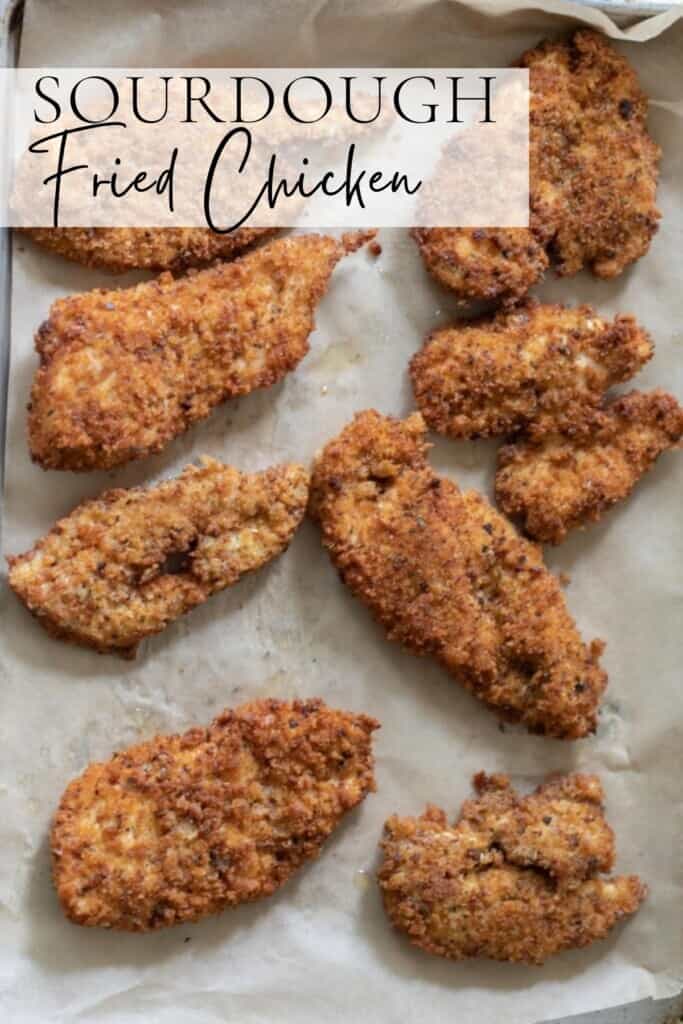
[(10, 32), (665, 1011)]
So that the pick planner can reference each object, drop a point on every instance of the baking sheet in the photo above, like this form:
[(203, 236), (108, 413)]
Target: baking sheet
[(321, 949)]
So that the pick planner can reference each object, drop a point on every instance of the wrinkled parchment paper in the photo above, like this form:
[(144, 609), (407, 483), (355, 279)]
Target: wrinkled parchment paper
[(321, 949)]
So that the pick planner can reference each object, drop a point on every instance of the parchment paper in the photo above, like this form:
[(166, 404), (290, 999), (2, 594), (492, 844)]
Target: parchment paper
[(321, 949)]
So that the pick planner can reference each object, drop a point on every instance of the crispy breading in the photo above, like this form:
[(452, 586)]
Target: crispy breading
[(572, 478), (514, 878), (483, 263), (124, 372), (447, 575), (593, 178), (122, 566), (121, 249), (534, 367), (179, 827)]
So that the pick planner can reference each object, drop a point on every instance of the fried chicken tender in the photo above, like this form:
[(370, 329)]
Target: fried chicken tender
[(571, 478), (593, 177), (180, 827), (533, 367), (121, 249), (124, 372), (447, 575), (483, 263), (514, 878), (123, 566)]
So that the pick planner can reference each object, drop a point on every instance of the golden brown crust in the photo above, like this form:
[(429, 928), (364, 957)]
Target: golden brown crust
[(123, 372), (447, 575), (104, 576), (483, 263), (532, 367), (514, 878), (179, 827), (593, 179), (573, 477), (121, 249)]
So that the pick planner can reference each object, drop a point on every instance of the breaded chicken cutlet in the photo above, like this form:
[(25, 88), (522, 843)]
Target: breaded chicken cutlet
[(121, 249), (124, 372), (514, 878), (571, 478), (447, 575), (483, 263), (532, 367), (121, 567), (180, 827), (593, 177)]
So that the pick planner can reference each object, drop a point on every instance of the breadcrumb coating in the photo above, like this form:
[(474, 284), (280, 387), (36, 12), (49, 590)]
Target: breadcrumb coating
[(180, 827), (572, 478), (121, 567), (447, 575), (533, 367), (483, 263), (123, 372), (593, 178), (122, 249), (514, 878)]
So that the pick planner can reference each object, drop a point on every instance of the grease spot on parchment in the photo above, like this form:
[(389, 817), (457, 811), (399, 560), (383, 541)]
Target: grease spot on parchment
[(147, 722), (336, 358), (361, 880), (278, 684)]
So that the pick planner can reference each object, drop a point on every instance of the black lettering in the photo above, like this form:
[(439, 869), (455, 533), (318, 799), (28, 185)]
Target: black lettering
[(486, 99), (135, 99), (190, 99), (114, 94), (430, 106), (208, 185), (288, 107), (238, 113), (62, 171), (44, 96), (348, 79)]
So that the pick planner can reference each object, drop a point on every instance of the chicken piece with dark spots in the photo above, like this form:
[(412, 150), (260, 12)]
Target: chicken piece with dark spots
[(572, 476), (180, 827), (593, 173), (448, 576), (123, 372), (121, 567), (121, 249), (530, 368), (514, 878)]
